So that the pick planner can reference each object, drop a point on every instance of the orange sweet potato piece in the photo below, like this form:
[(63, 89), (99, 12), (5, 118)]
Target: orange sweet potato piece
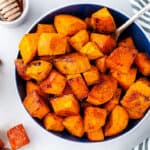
[(103, 91), (94, 118), (143, 63), (137, 99), (28, 46), (45, 28), (68, 24), (1, 144), (92, 76), (110, 105), (52, 44), (127, 42), (101, 64), (67, 90), (17, 137), (65, 105), (117, 122), (54, 83), (21, 69), (121, 59), (38, 69), (35, 105), (103, 21), (78, 40), (74, 125), (125, 79), (96, 135), (91, 50), (105, 42), (78, 86), (73, 63), (88, 22), (53, 123)]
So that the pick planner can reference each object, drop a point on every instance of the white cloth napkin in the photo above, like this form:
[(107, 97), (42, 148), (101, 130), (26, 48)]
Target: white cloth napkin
[(144, 20)]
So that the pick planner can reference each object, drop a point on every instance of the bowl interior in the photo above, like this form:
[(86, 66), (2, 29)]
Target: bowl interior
[(82, 11)]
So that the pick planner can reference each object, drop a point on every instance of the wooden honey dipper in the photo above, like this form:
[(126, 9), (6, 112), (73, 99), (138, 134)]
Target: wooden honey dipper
[(9, 10)]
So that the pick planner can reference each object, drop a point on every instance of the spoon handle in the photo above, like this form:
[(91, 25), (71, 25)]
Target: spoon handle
[(132, 19)]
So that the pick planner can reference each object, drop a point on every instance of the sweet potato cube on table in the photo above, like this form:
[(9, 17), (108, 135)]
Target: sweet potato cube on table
[(91, 50), (105, 42), (73, 63), (52, 44), (78, 40), (101, 64), (1, 144), (74, 125), (137, 99), (21, 69), (127, 42), (117, 122), (121, 59), (78, 86), (103, 21), (53, 122), (45, 28), (54, 83), (94, 118), (38, 70), (35, 105), (68, 24), (66, 105), (103, 91), (110, 105), (96, 135), (143, 63), (92, 76), (125, 79), (28, 46), (17, 137)]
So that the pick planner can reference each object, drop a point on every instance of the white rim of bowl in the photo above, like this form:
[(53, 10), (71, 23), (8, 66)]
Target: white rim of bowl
[(25, 10), (94, 143)]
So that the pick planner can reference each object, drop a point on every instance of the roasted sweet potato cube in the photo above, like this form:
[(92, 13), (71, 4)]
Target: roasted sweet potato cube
[(78, 86), (78, 40), (66, 105), (137, 99), (73, 63), (38, 69), (52, 44), (125, 79), (45, 28), (88, 22), (91, 50), (21, 69), (117, 122), (103, 91), (54, 83), (127, 42), (1, 144), (143, 63), (67, 90), (110, 105), (74, 125), (105, 42), (94, 118), (96, 135), (92, 76), (121, 59), (101, 64), (28, 46), (17, 137), (103, 21), (68, 24), (35, 105), (53, 122)]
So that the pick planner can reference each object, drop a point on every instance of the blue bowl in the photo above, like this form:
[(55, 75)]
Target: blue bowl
[(82, 11)]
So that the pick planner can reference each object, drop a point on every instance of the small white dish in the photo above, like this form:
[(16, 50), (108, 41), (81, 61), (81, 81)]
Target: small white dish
[(20, 19)]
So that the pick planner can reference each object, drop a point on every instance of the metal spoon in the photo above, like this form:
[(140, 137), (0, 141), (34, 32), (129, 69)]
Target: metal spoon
[(129, 22)]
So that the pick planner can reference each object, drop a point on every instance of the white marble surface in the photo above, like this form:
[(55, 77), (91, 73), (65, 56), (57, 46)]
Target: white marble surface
[(11, 110)]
